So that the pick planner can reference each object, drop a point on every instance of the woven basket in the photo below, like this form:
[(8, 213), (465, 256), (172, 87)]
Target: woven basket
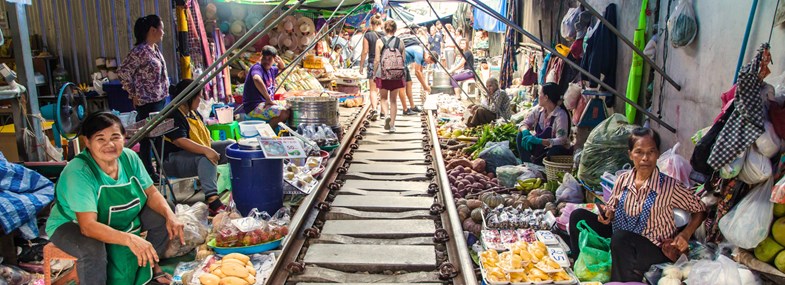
[(556, 164)]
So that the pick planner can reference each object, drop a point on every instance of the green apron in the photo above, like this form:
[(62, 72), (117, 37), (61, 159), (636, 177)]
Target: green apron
[(119, 207)]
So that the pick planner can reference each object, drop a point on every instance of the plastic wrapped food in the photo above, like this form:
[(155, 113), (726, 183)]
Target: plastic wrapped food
[(508, 236), (605, 150), (508, 174), (194, 219)]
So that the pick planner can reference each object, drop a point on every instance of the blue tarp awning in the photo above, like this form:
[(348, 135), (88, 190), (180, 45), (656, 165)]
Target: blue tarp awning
[(483, 21)]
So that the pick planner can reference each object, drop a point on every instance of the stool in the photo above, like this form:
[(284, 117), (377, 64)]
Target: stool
[(230, 131), (52, 252), (470, 87)]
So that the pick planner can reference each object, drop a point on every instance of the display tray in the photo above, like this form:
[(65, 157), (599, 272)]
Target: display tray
[(252, 249)]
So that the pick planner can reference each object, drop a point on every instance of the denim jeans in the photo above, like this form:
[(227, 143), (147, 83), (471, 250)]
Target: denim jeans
[(145, 147), (187, 164)]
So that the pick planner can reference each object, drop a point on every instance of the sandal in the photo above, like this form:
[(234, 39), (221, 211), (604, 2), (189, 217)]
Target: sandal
[(157, 277)]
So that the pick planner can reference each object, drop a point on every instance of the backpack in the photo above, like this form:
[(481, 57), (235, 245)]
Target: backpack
[(391, 64)]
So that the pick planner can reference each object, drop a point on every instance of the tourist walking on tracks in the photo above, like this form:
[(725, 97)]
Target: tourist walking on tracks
[(390, 71), (143, 75), (367, 60), (417, 55)]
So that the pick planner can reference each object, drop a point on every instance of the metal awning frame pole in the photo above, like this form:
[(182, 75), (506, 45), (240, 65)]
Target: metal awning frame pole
[(194, 88), (630, 44), (476, 76), (394, 10), (553, 52)]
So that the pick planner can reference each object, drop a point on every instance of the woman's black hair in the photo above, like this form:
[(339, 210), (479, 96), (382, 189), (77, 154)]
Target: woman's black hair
[(640, 133), (180, 87), (97, 121), (143, 25), (554, 92)]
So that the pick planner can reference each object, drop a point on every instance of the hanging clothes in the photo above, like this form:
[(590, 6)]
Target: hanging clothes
[(746, 122), (508, 56), (599, 56)]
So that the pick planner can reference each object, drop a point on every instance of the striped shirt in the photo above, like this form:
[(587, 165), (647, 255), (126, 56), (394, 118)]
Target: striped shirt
[(671, 194)]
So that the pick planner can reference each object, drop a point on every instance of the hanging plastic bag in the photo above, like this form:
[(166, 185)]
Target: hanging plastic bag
[(768, 143), (569, 191), (676, 166), (682, 25), (594, 261), (747, 224), (723, 271), (497, 154), (757, 168), (732, 170), (568, 31), (572, 96)]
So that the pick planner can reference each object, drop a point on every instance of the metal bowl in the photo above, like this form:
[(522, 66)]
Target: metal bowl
[(681, 217)]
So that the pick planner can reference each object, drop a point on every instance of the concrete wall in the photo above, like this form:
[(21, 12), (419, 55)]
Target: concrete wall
[(704, 69)]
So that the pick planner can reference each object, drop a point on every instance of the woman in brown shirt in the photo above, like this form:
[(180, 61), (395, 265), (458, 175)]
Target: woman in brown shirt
[(638, 217)]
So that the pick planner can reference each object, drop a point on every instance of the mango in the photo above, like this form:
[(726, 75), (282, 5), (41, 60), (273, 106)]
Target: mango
[(779, 210), (779, 262), (778, 230), (767, 250)]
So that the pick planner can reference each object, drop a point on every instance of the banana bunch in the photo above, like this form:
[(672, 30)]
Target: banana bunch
[(528, 184)]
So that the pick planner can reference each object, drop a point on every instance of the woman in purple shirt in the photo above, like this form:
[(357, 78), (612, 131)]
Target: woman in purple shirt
[(260, 87), (143, 75)]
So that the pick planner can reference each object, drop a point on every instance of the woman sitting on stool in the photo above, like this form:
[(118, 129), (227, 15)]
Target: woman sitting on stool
[(638, 217), (550, 123), (190, 151), (498, 106)]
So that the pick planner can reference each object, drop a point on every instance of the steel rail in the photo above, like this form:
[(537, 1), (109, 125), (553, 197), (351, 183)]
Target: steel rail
[(213, 70), (483, 7), (630, 44), (459, 253), (307, 213)]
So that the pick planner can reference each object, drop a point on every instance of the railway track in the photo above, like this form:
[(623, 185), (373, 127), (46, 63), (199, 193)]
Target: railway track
[(379, 215)]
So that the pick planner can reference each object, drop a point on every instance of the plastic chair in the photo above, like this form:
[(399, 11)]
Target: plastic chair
[(52, 252)]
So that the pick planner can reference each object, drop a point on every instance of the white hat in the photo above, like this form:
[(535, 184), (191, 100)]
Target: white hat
[(273, 38), (237, 28), (306, 40), (288, 23), (285, 40)]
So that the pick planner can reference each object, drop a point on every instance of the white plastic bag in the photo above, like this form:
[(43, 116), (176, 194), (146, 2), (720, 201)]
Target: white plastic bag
[(568, 31), (768, 143), (747, 224), (757, 168), (569, 191), (732, 170), (723, 271), (682, 25), (676, 166), (194, 219)]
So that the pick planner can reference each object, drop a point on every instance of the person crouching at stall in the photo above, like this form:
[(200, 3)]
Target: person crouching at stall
[(259, 89), (498, 106), (190, 151), (546, 130), (105, 199), (638, 217)]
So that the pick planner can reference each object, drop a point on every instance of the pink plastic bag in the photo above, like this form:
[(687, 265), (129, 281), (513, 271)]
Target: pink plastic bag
[(676, 166), (778, 192)]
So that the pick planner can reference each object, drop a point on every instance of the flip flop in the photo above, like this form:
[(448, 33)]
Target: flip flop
[(158, 276)]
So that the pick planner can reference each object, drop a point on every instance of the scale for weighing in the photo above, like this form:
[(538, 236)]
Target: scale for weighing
[(595, 111)]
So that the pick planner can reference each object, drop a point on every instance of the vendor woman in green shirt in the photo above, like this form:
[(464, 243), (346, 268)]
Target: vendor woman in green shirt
[(104, 200)]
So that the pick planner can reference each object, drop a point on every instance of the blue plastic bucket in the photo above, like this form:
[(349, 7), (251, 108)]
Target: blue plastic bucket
[(257, 182)]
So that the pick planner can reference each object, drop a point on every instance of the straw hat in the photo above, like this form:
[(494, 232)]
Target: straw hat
[(284, 40), (237, 28), (306, 40), (210, 11), (305, 25), (288, 23), (273, 38)]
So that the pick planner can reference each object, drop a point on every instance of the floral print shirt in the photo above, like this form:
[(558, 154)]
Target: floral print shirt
[(143, 74)]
